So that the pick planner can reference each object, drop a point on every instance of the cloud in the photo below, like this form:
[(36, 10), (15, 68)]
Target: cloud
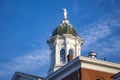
[(95, 31), (112, 46), (103, 36), (29, 62)]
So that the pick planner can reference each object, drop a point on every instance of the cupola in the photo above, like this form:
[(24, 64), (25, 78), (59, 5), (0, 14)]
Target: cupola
[(64, 44)]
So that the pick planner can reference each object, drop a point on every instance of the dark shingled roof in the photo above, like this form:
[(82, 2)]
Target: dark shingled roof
[(65, 28)]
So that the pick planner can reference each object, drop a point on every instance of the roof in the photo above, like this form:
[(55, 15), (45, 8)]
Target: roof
[(116, 75), (89, 63), (25, 75), (65, 28)]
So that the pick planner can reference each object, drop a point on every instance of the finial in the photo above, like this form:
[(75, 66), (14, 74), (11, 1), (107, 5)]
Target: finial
[(64, 13)]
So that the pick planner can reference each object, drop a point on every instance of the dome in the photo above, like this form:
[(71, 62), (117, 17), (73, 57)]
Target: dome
[(64, 28), (92, 54)]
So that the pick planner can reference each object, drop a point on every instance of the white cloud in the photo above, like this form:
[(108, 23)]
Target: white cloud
[(95, 32), (103, 36), (30, 61), (112, 46)]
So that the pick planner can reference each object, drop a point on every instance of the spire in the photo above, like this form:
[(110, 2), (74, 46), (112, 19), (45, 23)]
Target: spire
[(65, 16)]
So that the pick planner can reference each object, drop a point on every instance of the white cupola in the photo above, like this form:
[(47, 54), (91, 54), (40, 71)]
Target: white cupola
[(64, 44)]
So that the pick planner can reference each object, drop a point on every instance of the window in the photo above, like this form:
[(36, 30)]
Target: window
[(70, 55), (70, 51), (62, 55), (99, 78)]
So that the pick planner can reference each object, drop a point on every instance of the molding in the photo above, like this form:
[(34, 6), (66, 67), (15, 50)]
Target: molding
[(70, 64), (116, 76), (27, 76), (99, 65), (85, 62), (100, 62)]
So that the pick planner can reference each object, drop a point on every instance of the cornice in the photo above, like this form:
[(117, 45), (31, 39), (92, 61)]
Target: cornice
[(99, 62), (80, 59)]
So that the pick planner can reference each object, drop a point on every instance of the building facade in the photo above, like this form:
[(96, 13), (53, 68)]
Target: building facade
[(66, 62)]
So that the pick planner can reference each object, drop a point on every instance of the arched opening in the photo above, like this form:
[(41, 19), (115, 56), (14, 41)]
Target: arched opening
[(62, 55), (99, 78), (70, 55)]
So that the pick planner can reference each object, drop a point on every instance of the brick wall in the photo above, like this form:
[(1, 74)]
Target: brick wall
[(87, 74)]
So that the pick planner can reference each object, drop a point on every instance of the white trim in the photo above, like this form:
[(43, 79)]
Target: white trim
[(85, 62), (99, 65), (65, 69), (65, 41), (26, 76)]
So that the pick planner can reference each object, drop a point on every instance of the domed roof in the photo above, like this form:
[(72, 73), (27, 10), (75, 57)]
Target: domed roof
[(64, 28), (92, 53)]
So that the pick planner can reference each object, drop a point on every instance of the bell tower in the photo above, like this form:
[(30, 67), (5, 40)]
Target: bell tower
[(64, 44)]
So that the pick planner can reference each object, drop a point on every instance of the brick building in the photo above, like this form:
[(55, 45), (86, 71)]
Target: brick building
[(66, 62)]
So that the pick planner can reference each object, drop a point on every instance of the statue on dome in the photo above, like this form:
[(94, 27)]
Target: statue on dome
[(64, 13)]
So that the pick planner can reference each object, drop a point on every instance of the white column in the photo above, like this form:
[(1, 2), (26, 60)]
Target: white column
[(66, 49), (77, 48)]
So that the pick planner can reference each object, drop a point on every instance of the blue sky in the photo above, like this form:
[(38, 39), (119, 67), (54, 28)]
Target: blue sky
[(25, 25)]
